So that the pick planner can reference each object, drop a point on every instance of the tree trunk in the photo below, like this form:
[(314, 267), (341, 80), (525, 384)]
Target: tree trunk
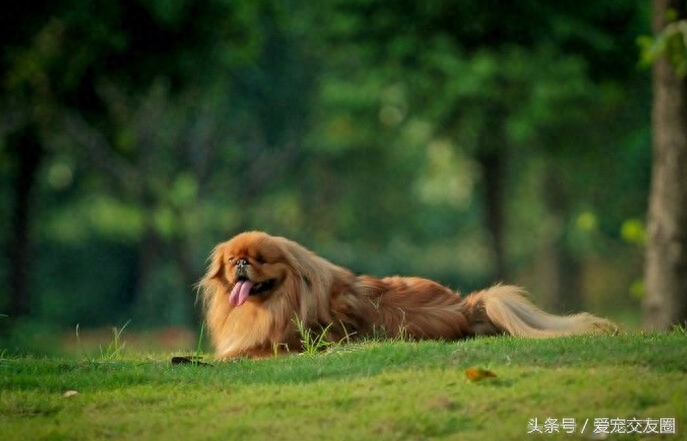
[(558, 270), (492, 166), (493, 147), (28, 153), (665, 302), (183, 254)]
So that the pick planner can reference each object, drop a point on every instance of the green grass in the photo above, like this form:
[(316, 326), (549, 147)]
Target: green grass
[(372, 391)]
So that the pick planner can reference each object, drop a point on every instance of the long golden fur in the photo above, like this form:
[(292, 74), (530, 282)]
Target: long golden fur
[(258, 287)]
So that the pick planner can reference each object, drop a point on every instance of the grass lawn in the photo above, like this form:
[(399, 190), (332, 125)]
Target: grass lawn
[(372, 391)]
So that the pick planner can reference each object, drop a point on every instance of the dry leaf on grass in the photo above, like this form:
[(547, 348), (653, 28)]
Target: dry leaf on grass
[(477, 374)]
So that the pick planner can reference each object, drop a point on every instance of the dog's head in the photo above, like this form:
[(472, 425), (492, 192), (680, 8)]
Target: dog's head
[(252, 265)]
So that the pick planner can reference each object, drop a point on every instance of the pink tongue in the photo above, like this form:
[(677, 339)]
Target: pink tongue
[(240, 293)]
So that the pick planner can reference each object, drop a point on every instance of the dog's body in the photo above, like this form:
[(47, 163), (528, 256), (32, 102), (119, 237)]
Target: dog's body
[(259, 287)]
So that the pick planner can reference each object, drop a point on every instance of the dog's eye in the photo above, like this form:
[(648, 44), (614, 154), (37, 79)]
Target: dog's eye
[(259, 259), (231, 259)]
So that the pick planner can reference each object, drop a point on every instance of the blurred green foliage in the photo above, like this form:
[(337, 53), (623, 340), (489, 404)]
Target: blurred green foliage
[(671, 41), (365, 129)]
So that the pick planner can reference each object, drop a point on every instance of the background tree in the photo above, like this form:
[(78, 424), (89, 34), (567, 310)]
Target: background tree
[(506, 100), (65, 68), (469, 142), (665, 303)]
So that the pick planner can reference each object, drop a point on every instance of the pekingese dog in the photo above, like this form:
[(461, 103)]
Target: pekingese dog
[(261, 292)]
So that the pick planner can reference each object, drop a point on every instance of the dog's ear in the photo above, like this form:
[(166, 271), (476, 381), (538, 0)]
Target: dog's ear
[(297, 257), (216, 263)]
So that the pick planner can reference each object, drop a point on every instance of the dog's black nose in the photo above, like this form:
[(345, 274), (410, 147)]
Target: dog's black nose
[(241, 268)]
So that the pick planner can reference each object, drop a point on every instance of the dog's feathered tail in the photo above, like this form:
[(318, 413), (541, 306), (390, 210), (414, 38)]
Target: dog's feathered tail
[(505, 309)]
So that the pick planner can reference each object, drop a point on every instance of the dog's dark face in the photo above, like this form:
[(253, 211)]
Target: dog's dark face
[(253, 265)]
